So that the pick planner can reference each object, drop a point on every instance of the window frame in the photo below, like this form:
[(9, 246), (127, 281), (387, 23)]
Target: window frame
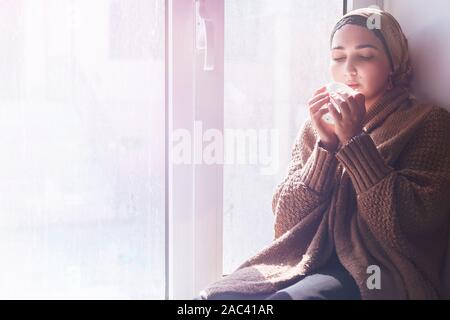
[(193, 191)]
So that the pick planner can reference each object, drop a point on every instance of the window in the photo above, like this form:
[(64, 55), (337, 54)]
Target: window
[(276, 56), (85, 101), (82, 165)]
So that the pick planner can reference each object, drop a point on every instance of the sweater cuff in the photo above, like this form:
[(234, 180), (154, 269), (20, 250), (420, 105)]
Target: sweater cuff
[(363, 163), (319, 170)]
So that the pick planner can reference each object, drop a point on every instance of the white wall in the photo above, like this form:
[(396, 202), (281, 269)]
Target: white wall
[(426, 25), (356, 4)]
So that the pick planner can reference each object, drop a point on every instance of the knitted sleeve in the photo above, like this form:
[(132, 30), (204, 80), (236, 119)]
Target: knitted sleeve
[(412, 200), (307, 183)]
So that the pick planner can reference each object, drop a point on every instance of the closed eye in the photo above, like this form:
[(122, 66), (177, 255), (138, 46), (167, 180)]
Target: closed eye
[(364, 58)]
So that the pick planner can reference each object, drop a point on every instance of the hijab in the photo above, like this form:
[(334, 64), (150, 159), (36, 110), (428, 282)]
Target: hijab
[(388, 30)]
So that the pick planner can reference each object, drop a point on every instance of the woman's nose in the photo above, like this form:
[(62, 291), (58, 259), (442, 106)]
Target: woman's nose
[(350, 68)]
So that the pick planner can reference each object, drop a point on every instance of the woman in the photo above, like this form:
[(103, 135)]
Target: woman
[(364, 209)]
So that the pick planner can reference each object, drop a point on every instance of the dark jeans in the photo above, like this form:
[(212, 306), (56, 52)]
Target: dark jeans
[(332, 282)]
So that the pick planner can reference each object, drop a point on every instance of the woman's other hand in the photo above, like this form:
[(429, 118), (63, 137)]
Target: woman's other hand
[(350, 121), (317, 108)]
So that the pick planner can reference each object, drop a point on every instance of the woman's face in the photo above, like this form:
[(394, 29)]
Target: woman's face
[(358, 58)]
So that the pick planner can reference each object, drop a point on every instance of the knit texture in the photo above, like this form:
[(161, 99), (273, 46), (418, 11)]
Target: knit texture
[(383, 199)]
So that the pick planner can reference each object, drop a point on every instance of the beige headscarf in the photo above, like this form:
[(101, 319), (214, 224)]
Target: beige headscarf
[(388, 30)]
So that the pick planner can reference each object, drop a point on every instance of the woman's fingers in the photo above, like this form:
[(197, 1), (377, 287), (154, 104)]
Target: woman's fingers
[(317, 97), (321, 112), (320, 90), (360, 102), (337, 116), (318, 104), (353, 109), (345, 110), (318, 94), (318, 115)]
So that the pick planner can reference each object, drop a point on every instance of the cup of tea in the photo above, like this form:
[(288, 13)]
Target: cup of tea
[(339, 92)]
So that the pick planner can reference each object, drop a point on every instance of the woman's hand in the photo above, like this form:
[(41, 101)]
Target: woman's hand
[(350, 121), (317, 108)]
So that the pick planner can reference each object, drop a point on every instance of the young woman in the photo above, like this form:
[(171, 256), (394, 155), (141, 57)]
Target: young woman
[(364, 209)]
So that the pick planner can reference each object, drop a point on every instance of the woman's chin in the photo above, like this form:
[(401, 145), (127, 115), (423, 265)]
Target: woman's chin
[(358, 89), (363, 91)]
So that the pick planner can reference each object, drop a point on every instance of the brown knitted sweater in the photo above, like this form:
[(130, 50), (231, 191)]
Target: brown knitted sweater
[(383, 199)]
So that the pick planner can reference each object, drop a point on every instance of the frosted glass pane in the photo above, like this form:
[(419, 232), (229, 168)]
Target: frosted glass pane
[(276, 55), (82, 158)]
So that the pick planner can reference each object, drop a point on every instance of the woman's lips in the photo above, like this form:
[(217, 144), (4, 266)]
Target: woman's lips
[(353, 85)]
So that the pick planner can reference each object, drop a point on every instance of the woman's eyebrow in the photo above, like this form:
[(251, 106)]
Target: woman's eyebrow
[(361, 46)]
